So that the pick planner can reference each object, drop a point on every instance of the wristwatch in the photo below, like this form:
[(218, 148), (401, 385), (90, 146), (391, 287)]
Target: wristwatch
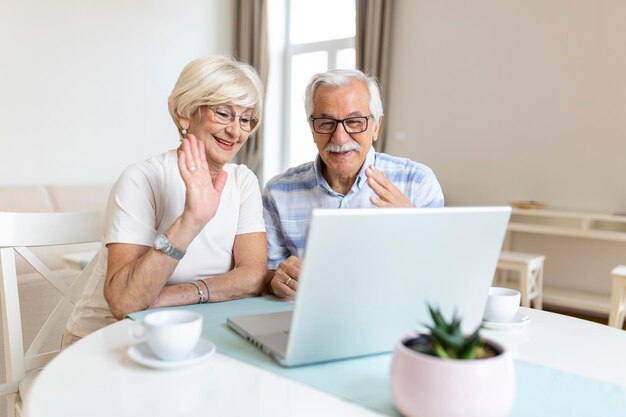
[(161, 243)]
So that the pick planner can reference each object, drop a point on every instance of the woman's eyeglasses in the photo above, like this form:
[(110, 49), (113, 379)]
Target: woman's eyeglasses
[(225, 115)]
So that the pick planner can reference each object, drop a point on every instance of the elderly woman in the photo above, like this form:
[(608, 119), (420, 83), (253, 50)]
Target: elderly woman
[(186, 226)]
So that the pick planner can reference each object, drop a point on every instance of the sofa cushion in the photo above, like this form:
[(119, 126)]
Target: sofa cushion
[(29, 198), (49, 198), (79, 197)]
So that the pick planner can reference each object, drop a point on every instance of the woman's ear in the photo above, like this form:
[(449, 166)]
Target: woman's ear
[(183, 122)]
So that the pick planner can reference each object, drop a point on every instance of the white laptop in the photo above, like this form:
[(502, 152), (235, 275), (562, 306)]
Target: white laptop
[(367, 275)]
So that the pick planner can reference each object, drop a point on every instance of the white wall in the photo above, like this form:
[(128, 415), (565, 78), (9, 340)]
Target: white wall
[(518, 100), (513, 100), (84, 84)]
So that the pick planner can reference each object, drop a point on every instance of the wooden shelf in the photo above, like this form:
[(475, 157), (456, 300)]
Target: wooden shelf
[(606, 227), (578, 300), (570, 224)]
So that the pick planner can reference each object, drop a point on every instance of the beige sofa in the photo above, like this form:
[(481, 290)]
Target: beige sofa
[(37, 297)]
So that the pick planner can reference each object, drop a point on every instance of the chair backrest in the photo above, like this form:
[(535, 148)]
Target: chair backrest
[(19, 232)]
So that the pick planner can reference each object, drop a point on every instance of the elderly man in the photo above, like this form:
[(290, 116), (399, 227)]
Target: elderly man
[(345, 114)]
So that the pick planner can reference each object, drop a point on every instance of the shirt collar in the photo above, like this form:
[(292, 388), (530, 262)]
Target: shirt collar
[(361, 178), (319, 178)]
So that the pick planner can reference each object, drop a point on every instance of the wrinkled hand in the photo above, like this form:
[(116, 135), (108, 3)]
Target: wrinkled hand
[(203, 192), (284, 283), (388, 195)]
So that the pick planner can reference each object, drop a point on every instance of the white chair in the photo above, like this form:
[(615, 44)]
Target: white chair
[(19, 232), (618, 297), (529, 267)]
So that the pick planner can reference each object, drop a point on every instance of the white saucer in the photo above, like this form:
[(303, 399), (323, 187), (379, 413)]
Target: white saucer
[(142, 354), (520, 320)]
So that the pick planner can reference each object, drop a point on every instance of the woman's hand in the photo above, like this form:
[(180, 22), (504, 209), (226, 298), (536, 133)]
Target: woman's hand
[(203, 192)]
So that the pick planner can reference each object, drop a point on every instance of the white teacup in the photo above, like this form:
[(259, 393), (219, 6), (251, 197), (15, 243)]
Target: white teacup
[(502, 304), (171, 334)]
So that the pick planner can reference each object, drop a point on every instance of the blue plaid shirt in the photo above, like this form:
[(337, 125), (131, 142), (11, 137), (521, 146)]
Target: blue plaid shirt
[(290, 197)]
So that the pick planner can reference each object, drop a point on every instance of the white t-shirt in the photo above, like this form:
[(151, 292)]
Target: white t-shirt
[(143, 203)]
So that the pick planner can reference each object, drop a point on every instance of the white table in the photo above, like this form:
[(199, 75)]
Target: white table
[(95, 377)]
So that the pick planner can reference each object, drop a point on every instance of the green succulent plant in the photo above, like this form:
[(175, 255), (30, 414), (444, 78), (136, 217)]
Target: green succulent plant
[(447, 341)]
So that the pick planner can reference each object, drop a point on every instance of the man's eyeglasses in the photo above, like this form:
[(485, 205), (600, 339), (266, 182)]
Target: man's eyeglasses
[(328, 125), (225, 115)]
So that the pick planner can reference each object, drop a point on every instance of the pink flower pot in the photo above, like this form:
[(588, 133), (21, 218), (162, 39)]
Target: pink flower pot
[(427, 386)]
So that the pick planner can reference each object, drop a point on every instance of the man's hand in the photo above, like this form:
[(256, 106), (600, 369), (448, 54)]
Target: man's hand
[(284, 283), (388, 195)]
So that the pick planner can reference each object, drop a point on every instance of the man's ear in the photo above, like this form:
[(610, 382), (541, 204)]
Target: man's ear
[(377, 127)]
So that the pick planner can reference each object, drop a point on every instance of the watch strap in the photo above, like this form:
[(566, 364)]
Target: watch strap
[(163, 244)]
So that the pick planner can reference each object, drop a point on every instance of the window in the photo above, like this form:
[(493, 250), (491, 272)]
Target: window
[(316, 36)]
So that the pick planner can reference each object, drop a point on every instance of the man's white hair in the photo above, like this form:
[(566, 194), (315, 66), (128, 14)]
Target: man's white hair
[(339, 78)]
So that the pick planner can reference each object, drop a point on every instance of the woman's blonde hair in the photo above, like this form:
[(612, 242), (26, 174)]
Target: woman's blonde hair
[(215, 80)]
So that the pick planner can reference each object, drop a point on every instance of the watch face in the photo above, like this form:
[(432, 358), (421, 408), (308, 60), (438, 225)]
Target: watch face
[(160, 242)]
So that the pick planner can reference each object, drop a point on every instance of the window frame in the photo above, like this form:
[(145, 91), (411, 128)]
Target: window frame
[(278, 120), (331, 47)]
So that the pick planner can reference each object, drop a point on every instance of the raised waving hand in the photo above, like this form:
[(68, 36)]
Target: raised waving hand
[(204, 189)]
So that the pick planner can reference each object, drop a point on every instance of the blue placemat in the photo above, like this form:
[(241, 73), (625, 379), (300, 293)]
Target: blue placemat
[(541, 391)]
